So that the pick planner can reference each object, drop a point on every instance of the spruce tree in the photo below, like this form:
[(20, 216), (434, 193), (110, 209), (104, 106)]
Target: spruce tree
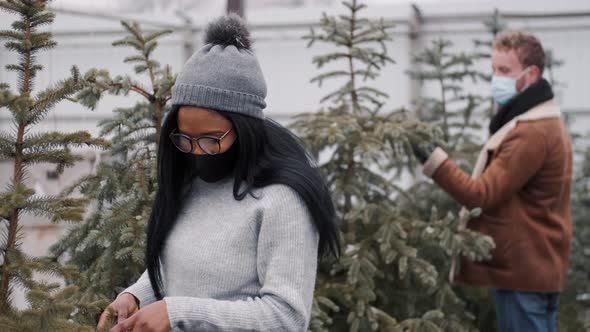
[(457, 112), (484, 47), (460, 114), (574, 314), (551, 63), (385, 279), (49, 304), (108, 247), (493, 25)]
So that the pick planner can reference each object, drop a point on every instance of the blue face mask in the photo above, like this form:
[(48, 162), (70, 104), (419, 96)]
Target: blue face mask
[(504, 88)]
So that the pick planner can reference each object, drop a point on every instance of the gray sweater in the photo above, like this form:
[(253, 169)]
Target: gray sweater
[(233, 265)]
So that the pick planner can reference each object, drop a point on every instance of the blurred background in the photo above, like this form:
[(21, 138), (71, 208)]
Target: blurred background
[(85, 29)]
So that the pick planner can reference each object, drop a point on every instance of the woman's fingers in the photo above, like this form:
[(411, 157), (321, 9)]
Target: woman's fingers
[(122, 312), (122, 307), (104, 317), (125, 325)]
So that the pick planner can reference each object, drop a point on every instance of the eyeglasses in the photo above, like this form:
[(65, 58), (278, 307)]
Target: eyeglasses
[(209, 144)]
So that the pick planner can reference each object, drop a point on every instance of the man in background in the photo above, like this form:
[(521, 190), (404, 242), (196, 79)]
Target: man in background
[(521, 181)]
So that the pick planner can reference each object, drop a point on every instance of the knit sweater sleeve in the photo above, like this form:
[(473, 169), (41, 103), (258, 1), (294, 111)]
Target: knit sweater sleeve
[(142, 290), (286, 264)]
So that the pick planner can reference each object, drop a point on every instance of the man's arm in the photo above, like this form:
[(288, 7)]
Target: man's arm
[(520, 157)]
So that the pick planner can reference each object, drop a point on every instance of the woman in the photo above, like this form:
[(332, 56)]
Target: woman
[(240, 216)]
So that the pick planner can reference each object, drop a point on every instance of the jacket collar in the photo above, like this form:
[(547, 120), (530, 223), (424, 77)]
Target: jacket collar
[(548, 109)]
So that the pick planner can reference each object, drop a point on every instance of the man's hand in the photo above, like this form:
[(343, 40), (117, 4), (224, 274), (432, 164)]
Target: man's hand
[(151, 318), (422, 149)]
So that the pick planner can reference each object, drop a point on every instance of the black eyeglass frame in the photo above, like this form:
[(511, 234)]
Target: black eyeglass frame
[(198, 141)]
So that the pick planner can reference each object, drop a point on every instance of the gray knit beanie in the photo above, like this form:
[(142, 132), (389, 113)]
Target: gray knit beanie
[(224, 75)]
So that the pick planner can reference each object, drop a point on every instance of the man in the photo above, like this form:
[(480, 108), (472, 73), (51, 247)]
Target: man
[(521, 182)]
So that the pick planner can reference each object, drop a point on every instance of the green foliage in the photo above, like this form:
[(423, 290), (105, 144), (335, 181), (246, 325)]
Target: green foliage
[(161, 79), (575, 299), (494, 25), (457, 112), (108, 247), (387, 278), (50, 305)]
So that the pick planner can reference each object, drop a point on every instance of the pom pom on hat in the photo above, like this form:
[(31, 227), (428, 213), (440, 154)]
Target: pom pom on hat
[(228, 30)]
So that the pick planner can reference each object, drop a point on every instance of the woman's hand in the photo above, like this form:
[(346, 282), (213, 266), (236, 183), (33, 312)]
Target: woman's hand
[(151, 318), (122, 307)]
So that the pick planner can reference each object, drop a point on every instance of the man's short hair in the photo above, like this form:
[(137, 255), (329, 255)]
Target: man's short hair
[(527, 47)]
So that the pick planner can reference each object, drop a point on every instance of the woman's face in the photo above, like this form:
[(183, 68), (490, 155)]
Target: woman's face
[(196, 121)]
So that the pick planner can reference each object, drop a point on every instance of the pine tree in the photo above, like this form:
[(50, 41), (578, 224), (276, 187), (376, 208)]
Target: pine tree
[(493, 25), (579, 277), (551, 63), (49, 304), (383, 281), (460, 115), (483, 48), (108, 247), (575, 299)]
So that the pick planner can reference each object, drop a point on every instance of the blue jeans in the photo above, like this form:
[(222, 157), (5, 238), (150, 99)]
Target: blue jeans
[(526, 312)]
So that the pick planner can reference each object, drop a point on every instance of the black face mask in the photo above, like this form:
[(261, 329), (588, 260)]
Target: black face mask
[(212, 168)]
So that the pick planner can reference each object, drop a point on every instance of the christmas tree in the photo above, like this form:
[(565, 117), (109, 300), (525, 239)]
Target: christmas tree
[(387, 277), (457, 112), (493, 25), (49, 304), (484, 47), (460, 114), (108, 247), (575, 300)]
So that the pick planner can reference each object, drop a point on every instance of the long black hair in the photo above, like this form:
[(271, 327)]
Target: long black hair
[(268, 154)]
